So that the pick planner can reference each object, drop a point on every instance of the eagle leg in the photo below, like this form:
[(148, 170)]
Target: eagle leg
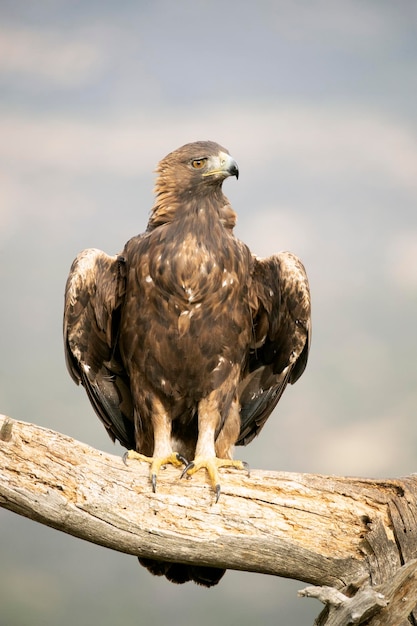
[(163, 453), (212, 466), (156, 463), (214, 449)]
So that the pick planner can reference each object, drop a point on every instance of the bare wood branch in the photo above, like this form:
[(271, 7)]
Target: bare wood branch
[(400, 593), (325, 530), (384, 605), (342, 609)]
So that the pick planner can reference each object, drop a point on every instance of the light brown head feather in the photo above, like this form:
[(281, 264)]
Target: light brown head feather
[(180, 186)]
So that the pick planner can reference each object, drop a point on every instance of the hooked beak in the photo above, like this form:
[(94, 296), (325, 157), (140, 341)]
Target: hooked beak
[(223, 165)]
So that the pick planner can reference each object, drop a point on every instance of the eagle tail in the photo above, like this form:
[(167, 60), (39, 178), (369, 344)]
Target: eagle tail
[(179, 573)]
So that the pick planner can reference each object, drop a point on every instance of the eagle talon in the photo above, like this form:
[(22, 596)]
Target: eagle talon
[(182, 459), (246, 467), (132, 454), (155, 462), (188, 466), (217, 491), (212, 466), (153, 482)]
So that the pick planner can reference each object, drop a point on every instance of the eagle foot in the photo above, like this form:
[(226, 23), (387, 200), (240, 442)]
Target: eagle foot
[(212, 466), (156, 463)]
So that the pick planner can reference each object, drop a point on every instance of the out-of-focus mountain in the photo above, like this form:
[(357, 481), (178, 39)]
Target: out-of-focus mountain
[(317, 102)]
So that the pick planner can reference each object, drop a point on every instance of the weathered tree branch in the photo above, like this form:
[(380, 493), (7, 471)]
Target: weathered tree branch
[(351, 534), (388, 603)]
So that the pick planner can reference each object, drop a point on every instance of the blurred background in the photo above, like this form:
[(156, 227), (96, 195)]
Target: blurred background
[(317, 102)]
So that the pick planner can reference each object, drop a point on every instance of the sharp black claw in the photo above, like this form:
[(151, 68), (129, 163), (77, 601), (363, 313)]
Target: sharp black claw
[(246, 466), (189, 466), (124, 458), (217, 493), (182, 459), (153, 481)]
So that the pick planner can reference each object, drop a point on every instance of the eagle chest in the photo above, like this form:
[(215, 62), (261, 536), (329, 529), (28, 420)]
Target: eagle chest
[(193, 301)]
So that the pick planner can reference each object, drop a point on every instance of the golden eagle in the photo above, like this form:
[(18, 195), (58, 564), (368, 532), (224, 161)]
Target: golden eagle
[(186, 341)]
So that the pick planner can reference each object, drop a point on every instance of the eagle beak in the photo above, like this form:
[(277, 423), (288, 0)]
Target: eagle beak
[(228, 165), (223, 166), (233, 169)]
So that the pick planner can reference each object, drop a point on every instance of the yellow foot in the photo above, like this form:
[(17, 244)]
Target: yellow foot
[(212, 466), (155, 462)]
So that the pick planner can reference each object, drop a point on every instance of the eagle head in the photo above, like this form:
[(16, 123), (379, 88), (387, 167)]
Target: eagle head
[(195, 167)]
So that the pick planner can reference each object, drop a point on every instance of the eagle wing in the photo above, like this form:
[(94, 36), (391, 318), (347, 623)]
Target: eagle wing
[(94, 295), (282, 332)]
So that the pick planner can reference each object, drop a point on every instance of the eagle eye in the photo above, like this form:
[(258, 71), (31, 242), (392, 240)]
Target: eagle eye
[(198, 164)]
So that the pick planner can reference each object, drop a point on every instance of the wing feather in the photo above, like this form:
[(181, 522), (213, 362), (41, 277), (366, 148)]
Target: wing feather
[(281, 338), (93, 298)]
